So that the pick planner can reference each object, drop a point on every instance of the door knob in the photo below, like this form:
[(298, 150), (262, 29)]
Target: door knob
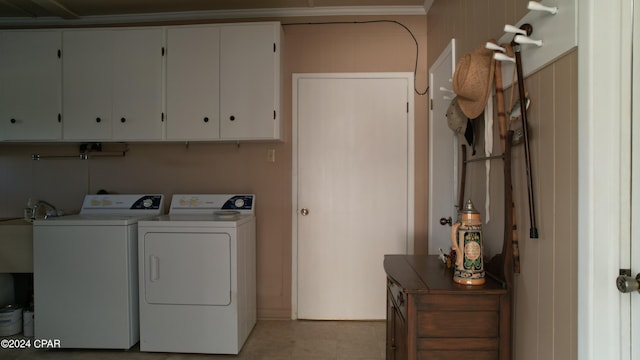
[(627, 284), (304, 211), (445, 221)]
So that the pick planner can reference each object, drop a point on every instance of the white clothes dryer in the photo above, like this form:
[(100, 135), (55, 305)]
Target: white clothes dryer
[(85, 270), (197, 269)]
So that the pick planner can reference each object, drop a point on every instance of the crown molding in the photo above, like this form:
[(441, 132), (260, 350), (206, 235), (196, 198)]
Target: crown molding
[(218, 15), (427, 5)]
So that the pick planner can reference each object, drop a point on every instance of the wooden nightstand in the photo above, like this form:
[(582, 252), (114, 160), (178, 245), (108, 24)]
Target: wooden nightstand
[(431, 317)]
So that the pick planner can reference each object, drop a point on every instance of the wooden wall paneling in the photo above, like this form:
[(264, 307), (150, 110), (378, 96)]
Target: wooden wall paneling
[(566, 159), (527, 284), (543, 163)]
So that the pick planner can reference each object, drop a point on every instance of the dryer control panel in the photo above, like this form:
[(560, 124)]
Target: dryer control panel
[(212, 203)]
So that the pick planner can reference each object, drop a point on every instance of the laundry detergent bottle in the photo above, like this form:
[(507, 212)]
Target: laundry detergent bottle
[(466, 236)]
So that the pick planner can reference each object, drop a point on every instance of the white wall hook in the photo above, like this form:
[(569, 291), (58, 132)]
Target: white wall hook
[(448, 98), (536, 6), (503, 57), (444, 89), (521, 39), (491, 46), (514, 30)]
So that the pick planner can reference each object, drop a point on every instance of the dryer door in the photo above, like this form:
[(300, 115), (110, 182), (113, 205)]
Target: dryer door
[(187, 268)]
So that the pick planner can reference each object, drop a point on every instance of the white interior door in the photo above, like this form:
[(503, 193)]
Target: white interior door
[(607, 180), (629, 321), (353, 189), (634, 242), (443, 151)]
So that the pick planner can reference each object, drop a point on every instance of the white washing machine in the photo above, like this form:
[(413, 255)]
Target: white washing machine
[(198, 275), (85, 270)]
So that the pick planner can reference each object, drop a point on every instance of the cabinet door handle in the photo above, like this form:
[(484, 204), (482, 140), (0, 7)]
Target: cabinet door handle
[(232, 118), (98, 120), (13, 121), (206, 119), (122, 120)]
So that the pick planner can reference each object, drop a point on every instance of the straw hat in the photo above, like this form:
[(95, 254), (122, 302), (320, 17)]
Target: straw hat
[(472, 80)]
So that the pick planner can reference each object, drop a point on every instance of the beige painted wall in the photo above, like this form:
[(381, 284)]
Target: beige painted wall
[(225, 167), (545, 294)]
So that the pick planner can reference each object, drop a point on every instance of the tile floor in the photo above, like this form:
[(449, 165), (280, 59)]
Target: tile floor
[(269, 340)]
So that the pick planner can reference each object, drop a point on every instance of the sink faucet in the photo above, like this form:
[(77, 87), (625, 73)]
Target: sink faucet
[(50, 210)]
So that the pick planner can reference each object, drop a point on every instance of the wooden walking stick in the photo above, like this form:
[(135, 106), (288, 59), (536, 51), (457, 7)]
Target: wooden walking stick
[(533, 231), (502, 120)]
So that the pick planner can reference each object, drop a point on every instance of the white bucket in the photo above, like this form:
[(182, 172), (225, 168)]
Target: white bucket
[(7, 292), (10, 320), (27, 323)]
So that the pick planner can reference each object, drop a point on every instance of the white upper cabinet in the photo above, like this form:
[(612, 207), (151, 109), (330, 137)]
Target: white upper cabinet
[(193, 83), (176, 83), (30, 78), (250, 81), (112, 84)]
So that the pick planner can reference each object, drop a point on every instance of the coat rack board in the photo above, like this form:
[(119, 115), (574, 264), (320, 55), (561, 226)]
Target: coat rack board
[(558, 32)]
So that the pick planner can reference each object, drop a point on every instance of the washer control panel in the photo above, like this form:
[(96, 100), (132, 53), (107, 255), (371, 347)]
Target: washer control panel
[(122, 204), (239, 202)]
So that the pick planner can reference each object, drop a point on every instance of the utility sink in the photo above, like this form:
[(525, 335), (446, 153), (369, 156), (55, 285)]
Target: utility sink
[(16, 246)]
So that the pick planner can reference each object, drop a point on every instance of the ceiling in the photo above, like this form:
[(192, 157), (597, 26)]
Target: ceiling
[(68, 11)]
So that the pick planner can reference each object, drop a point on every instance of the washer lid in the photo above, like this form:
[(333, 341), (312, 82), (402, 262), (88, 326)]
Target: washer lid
[(92, 220)]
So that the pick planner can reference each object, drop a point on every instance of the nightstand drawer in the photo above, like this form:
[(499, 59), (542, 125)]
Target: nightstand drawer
[(458, 324)]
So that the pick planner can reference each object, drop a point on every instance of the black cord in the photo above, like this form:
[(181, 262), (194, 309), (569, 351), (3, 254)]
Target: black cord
[(415, 68)]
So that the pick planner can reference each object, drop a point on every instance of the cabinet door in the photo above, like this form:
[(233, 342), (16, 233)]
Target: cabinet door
[(137, 84), (87, 84), (250, 81), (193, 83), (30, 77)]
